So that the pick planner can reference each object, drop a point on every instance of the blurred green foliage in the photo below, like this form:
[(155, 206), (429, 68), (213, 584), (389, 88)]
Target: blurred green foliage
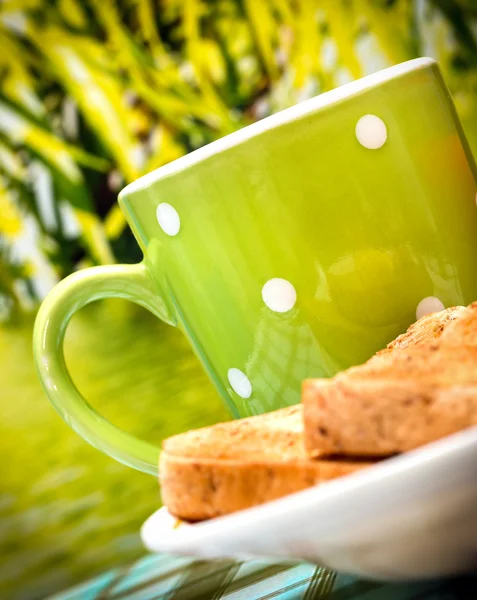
[(95, 93)]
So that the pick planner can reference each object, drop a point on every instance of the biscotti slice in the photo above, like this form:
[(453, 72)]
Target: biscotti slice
[(235, 465), (399, 399), (436, 363), (463, 331), (427, 329), (455, 326), (382, 417), (447, 358)]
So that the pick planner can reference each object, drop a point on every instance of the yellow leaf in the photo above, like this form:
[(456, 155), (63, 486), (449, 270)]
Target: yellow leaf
[(284, 10), (17, 83), (72, 12), (264, 27), (93, 233), (114, 223), (343, 31), (307, 49), (10, 218), (11, 163), (214, 61), (197, 54)]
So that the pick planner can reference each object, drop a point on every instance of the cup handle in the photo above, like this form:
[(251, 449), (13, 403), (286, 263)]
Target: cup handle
[(131, 282)]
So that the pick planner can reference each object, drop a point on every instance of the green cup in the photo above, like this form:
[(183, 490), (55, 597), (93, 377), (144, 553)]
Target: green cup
[(293, 248)]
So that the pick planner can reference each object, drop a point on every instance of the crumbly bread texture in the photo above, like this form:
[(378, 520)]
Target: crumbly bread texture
[(426, 330), (235, 465), (421, 388)]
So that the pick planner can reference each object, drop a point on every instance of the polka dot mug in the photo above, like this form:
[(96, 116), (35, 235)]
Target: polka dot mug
[(293, 248)]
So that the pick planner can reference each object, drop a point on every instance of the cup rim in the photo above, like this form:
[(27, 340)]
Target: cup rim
[(300, 110)]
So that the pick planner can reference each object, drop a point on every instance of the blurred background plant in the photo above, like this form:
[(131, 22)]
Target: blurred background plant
[(94, 93)]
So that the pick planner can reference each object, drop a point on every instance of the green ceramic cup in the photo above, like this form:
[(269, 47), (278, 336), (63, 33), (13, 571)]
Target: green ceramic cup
[(291, 249)]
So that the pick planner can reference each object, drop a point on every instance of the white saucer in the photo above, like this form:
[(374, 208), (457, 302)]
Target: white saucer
[(409, 517)]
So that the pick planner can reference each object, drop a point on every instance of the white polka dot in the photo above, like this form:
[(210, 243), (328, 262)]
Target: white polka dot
[(240, 383), (428, 305), (371, 132), (168, 219), (279, 295)]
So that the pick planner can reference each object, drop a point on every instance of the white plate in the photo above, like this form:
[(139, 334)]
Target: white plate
[(409, 517)]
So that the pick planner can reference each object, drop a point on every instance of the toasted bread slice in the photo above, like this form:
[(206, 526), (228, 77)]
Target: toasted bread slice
[(463, 331), (437, 363), (231, 466), (382, 417), (399, 399), (426, 330)]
